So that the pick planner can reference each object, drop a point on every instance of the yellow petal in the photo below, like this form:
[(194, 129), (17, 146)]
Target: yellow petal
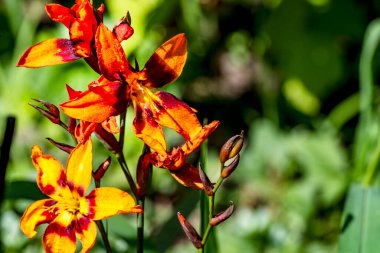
[(105, 202), (79, 168), (36, 214), (59, 236), (86, 232), (47, 53), (51, 177)]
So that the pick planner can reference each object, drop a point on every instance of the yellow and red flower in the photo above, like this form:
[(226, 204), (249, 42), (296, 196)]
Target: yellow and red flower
[(119, 84), (69, 212), (82, 21)]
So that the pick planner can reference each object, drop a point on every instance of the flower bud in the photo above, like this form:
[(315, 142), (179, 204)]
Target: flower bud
[(222, 216), (207, 185), (123, 30), (228, 169), (62, 146), (52, 112), (143, 173), (99, 173), (190, 231), (232, 147)]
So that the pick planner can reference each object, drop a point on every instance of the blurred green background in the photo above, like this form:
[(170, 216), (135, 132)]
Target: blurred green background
[(284, 71)]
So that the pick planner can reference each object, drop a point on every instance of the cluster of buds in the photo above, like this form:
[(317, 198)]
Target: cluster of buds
[(229, 157)]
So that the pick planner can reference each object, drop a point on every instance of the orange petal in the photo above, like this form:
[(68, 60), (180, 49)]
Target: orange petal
[(166, 64), (111, 125), (98, 103), (47, 53), (105, 202), (35, 215), (84, 130), (51, 177), (200, 137), (86, 232), (79, 168), (81, 35), (60, 13), (59, 236), (112, 61), (145, 126), (175, 114), (188, 176)]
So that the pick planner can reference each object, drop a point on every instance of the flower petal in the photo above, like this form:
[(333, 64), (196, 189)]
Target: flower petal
[(175, 114), (60, 13), (59, 236), (47, 53), (112, 61), (98, 103), (188, 176), (145, 126), (79, 168), (105, 202), (86, 232), (200, 137), (51, 177), (35, 215), (166, 64)]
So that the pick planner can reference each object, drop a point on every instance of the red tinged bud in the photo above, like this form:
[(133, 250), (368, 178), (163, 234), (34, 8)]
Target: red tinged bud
[(71, 125), (190, 231), (53, 117), (123, 30), (62, 146), (222, 216), (232, 147), (143, 172), (99, 173), (228, 169), (207, 185)]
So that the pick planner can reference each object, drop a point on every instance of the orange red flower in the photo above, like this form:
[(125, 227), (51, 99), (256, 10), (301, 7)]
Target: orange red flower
[(69, 212), (120, 84)]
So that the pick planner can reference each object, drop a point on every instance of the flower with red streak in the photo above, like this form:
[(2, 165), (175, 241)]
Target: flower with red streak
[(82, 21), (119, 84), (69, 212)]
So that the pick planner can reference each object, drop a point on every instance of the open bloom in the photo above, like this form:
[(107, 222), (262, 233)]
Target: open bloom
[(82, 22), (120, 83), (68, 211)]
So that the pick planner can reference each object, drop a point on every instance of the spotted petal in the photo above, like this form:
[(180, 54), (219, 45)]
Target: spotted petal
[(47, 53), (86, 232), (59, 236), (166, 64), (175, 114), (51, 177), (79, 168), (36, 214), (105, 202)]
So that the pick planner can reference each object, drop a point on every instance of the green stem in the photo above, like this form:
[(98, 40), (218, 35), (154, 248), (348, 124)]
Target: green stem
[(371, 169), (103, 233), (127, 173), (218, 183), (206, 234), (140, 227)]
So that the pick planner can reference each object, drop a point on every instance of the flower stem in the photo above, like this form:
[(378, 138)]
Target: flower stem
[(140, 227), (127, 173), (103, 233)]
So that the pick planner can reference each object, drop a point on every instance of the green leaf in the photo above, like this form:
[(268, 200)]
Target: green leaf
[(361, 220)]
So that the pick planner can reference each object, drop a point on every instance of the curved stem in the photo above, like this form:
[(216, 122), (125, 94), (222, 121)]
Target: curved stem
[(127, 173)]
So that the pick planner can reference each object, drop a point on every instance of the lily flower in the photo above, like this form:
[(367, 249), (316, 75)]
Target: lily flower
[(71, 214), (119, 84), (82, 21)]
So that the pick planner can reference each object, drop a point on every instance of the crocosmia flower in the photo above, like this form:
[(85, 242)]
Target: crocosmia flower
[(70, 214), (120, 83), (82, 21)]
